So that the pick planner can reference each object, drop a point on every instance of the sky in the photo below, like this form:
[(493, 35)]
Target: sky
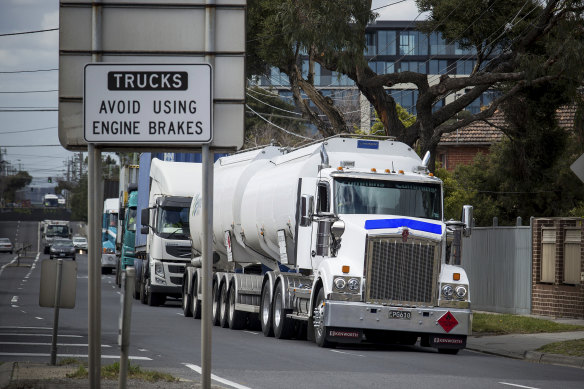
[(29, 65)]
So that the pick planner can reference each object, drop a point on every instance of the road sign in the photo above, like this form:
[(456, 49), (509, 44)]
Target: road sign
[(148, 103), (578, 167)]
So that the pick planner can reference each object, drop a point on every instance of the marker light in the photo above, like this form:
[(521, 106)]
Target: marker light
[(431, 174), (340, 168), (346, 269), (387, 171), (456, 276), (374, 170), (401, 172)]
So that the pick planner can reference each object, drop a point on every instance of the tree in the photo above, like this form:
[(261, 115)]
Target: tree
[(79, 200), (11, 184), (519, 44)]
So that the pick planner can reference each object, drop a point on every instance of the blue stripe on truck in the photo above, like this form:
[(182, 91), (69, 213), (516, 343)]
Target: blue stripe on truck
[(396, 223)]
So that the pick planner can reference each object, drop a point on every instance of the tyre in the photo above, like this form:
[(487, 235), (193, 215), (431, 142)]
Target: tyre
[(319, 328), (50, 257), (143, 295), (215, 300), (195, 301), (236, 319), (223, 301), (266, 312), (154, 299), (186, 301), (283, 326)]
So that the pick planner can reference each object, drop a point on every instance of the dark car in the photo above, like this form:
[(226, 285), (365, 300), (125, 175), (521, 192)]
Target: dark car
[(6, 245), (62, 248)]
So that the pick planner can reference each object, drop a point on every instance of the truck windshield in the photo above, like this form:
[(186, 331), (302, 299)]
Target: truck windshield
[(173, 222), (362, 196), (58, 231), (131, 226), (112, 219), (51, 202)]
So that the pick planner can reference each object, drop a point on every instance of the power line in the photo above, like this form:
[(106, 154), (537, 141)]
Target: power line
[(275, 125), (29, 71), (29, 32), (29, 110), (21, 131), (32, 146), (32, 91)]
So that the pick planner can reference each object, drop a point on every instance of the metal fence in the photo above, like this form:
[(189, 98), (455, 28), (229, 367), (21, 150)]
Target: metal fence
[(498, 263)]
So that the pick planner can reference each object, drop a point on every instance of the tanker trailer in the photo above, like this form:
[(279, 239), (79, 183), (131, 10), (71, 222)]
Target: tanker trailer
[(345, 238)]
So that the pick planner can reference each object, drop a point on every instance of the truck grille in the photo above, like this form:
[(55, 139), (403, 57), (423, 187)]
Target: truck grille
[(179, 251), (401, 273)]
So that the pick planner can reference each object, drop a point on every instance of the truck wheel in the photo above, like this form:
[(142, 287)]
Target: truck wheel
[(196, 303), (320, 329), (283, 326), (235, 318), (223, 308), (186, 301), (143, 295), (266, 312), (215, 297)]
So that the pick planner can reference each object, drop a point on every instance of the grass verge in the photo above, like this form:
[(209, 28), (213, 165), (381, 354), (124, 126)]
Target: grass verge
[(111, 372), (501, 324), (573, 348)]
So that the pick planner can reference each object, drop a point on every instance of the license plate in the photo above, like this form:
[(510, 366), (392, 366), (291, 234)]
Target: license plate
[(406, 315), (61, 254)]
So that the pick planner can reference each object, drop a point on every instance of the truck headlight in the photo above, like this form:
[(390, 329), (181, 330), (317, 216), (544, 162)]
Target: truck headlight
[(460, 292), (159, 269), (354, 284), (340, 283), (447, 291)]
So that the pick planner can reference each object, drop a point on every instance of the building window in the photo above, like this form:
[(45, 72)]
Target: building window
[(459, 51), (548, 255), (371, 44), (386, 42), (278, 78), (382, 67), (413, 43), (572, 256), (438, 66), (438, 45), (413, 66), (464, 66), (406, 98)]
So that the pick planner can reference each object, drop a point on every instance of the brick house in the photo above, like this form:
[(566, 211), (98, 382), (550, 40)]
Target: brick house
[(461, 146), (557, 287)]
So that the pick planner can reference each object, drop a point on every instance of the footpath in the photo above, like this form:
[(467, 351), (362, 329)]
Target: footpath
[(21, 375)]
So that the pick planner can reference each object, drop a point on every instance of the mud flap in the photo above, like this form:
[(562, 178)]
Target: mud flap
[(344, 335), (448, 341)]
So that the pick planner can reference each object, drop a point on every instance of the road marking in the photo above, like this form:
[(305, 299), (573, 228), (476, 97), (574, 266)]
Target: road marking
[(14, 306), (518, 386), (8, 264), (215, 378), (344, 352), (71, 356), (14, 300), (251, 332), (58, 344), (60, 336), (39, 318)]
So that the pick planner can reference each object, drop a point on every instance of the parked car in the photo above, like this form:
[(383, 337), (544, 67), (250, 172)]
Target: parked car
[(80, 242), (62, 248), (6, 245)]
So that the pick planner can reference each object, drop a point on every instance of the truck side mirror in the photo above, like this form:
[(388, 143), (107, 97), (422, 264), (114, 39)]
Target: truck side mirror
[(144, 230), (145, 217), (122, 213), (467, 220), (306, 207)]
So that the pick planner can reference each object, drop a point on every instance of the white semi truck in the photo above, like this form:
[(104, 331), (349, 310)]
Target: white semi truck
[(165, 223), (344, 239)]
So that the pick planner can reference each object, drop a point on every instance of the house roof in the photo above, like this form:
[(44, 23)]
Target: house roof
[(487, 133)]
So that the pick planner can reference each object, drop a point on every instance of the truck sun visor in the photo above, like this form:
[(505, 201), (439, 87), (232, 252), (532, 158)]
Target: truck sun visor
[(396, 223)]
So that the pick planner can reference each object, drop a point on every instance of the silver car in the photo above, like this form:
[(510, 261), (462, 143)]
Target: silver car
[(6, 245), (80, 242)]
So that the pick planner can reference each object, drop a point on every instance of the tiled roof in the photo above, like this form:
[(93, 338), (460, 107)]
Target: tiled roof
[(484, 133)]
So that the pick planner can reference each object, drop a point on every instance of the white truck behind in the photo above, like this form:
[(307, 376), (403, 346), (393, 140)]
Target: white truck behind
[(343, 240), (166, 223)]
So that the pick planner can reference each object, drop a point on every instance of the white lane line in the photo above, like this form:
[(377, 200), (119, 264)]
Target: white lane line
[(15, 306), (60, 336), (343, 352), (8, 264), (14, 300), (251, 332), (71, 356), (39, 318), (517, 386), (58, 344), (215, 378)]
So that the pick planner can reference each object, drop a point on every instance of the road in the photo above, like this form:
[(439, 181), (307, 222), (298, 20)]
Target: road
[(163, 340)]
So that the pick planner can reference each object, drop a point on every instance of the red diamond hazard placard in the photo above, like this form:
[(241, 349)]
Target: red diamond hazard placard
[(448, 321)]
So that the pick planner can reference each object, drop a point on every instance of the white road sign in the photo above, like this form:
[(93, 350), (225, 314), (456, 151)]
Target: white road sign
[(578, 167), (148, 103)]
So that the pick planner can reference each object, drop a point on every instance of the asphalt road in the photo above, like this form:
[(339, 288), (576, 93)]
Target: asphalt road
[(162, 339)]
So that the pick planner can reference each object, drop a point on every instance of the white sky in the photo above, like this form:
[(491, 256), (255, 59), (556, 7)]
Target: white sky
[(39, 51)]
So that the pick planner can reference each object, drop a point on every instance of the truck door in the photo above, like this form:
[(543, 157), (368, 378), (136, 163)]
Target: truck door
[(321, 225), (306, 187)]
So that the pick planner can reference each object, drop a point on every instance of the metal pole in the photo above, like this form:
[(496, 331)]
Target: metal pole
[(94, 242), (56, 315), (128, 278), (206, 318), (207, 214)]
